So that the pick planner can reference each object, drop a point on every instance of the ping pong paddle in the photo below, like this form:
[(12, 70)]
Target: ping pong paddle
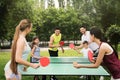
[(71, 45), (61, 43), (90, 56), (44, 61)]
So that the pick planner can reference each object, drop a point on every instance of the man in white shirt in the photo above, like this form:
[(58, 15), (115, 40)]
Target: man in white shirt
[(86, 37)]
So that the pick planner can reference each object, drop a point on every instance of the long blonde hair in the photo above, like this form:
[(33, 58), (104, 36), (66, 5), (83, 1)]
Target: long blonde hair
[(25, 23)]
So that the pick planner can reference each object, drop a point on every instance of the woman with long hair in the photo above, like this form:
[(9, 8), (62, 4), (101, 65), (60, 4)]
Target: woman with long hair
[(20, 51)]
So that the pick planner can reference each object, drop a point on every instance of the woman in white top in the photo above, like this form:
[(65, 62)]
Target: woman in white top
[(20, 51)]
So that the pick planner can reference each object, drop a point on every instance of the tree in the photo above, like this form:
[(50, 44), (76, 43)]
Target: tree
[(17, 11), (113, 33), (3, 13), (108, 12)]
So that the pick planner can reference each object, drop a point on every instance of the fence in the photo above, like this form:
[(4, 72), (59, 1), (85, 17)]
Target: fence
[(7, 44)]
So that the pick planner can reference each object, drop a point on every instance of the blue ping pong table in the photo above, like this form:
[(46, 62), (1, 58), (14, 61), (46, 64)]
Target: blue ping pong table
[(64, 66)]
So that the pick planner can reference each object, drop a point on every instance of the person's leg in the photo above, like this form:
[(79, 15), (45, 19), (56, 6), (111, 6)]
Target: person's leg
[(101, 78), (43, 77), (8, 79), (10, 76), (7, 74), (53, 54), (36, 77)]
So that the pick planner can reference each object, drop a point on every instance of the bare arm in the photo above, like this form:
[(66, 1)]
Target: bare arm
[(79, 47), (32, 53), (19, 51), (97, 63), (51, 43), (62, 49), (77, 50)]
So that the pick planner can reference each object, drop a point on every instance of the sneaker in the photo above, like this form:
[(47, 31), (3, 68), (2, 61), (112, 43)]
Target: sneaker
[(53, 78), (82, 77), (101, 78)]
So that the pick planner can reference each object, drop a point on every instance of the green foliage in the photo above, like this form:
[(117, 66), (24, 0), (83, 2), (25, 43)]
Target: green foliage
[(15, 11), (68, 18), (113, 34), (50, 18), (108, 12)]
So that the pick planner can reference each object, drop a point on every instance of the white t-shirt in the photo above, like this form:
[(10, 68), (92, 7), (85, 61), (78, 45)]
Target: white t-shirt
[(86, 37), (84, 51)]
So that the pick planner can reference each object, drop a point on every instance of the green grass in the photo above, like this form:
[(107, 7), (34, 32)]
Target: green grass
[(5, 56)]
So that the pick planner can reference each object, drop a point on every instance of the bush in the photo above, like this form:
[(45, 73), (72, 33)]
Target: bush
[(113, 33)]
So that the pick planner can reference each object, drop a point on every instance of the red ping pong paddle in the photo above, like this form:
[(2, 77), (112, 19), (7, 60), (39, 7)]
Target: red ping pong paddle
[(61, 43), (44, 61), (90, 56), (71, 45)]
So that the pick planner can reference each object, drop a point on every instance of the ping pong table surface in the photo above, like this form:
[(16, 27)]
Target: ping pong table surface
[(64, 66)]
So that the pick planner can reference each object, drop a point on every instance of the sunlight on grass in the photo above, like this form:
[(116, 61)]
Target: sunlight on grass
[(66, 53)]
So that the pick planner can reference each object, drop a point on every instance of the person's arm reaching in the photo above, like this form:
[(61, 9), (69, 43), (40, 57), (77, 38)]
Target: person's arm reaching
[(32, 53), (18, 56), (96, 64), (51, 43)]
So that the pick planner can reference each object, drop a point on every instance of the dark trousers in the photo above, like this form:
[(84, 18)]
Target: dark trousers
[(53, 53)]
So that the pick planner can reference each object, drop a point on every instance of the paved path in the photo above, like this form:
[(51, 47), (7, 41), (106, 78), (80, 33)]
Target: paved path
[(42, 49)]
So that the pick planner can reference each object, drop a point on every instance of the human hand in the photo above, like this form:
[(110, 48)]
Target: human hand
[(62, 49), (34, 65), (75, 48), (58, 45), (93, 60), (38, 58), (25, 68), (76, 65)]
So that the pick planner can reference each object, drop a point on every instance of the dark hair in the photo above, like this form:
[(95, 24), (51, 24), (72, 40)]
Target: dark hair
[(96, 32), (85, 42), (83, 26), (33, 43), (57, 28)]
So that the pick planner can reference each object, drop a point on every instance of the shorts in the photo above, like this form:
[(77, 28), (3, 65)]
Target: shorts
[(12, 76)]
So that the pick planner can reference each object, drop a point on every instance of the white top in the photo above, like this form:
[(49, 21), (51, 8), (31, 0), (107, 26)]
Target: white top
[(25, 54), (84, 51), (86, 37)]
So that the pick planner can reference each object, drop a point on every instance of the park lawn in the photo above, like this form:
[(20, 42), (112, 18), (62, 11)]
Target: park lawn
[(5, 56)]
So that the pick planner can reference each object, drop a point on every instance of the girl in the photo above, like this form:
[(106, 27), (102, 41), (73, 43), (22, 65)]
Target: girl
[(20, 51), (35, 54), (107, 55)]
